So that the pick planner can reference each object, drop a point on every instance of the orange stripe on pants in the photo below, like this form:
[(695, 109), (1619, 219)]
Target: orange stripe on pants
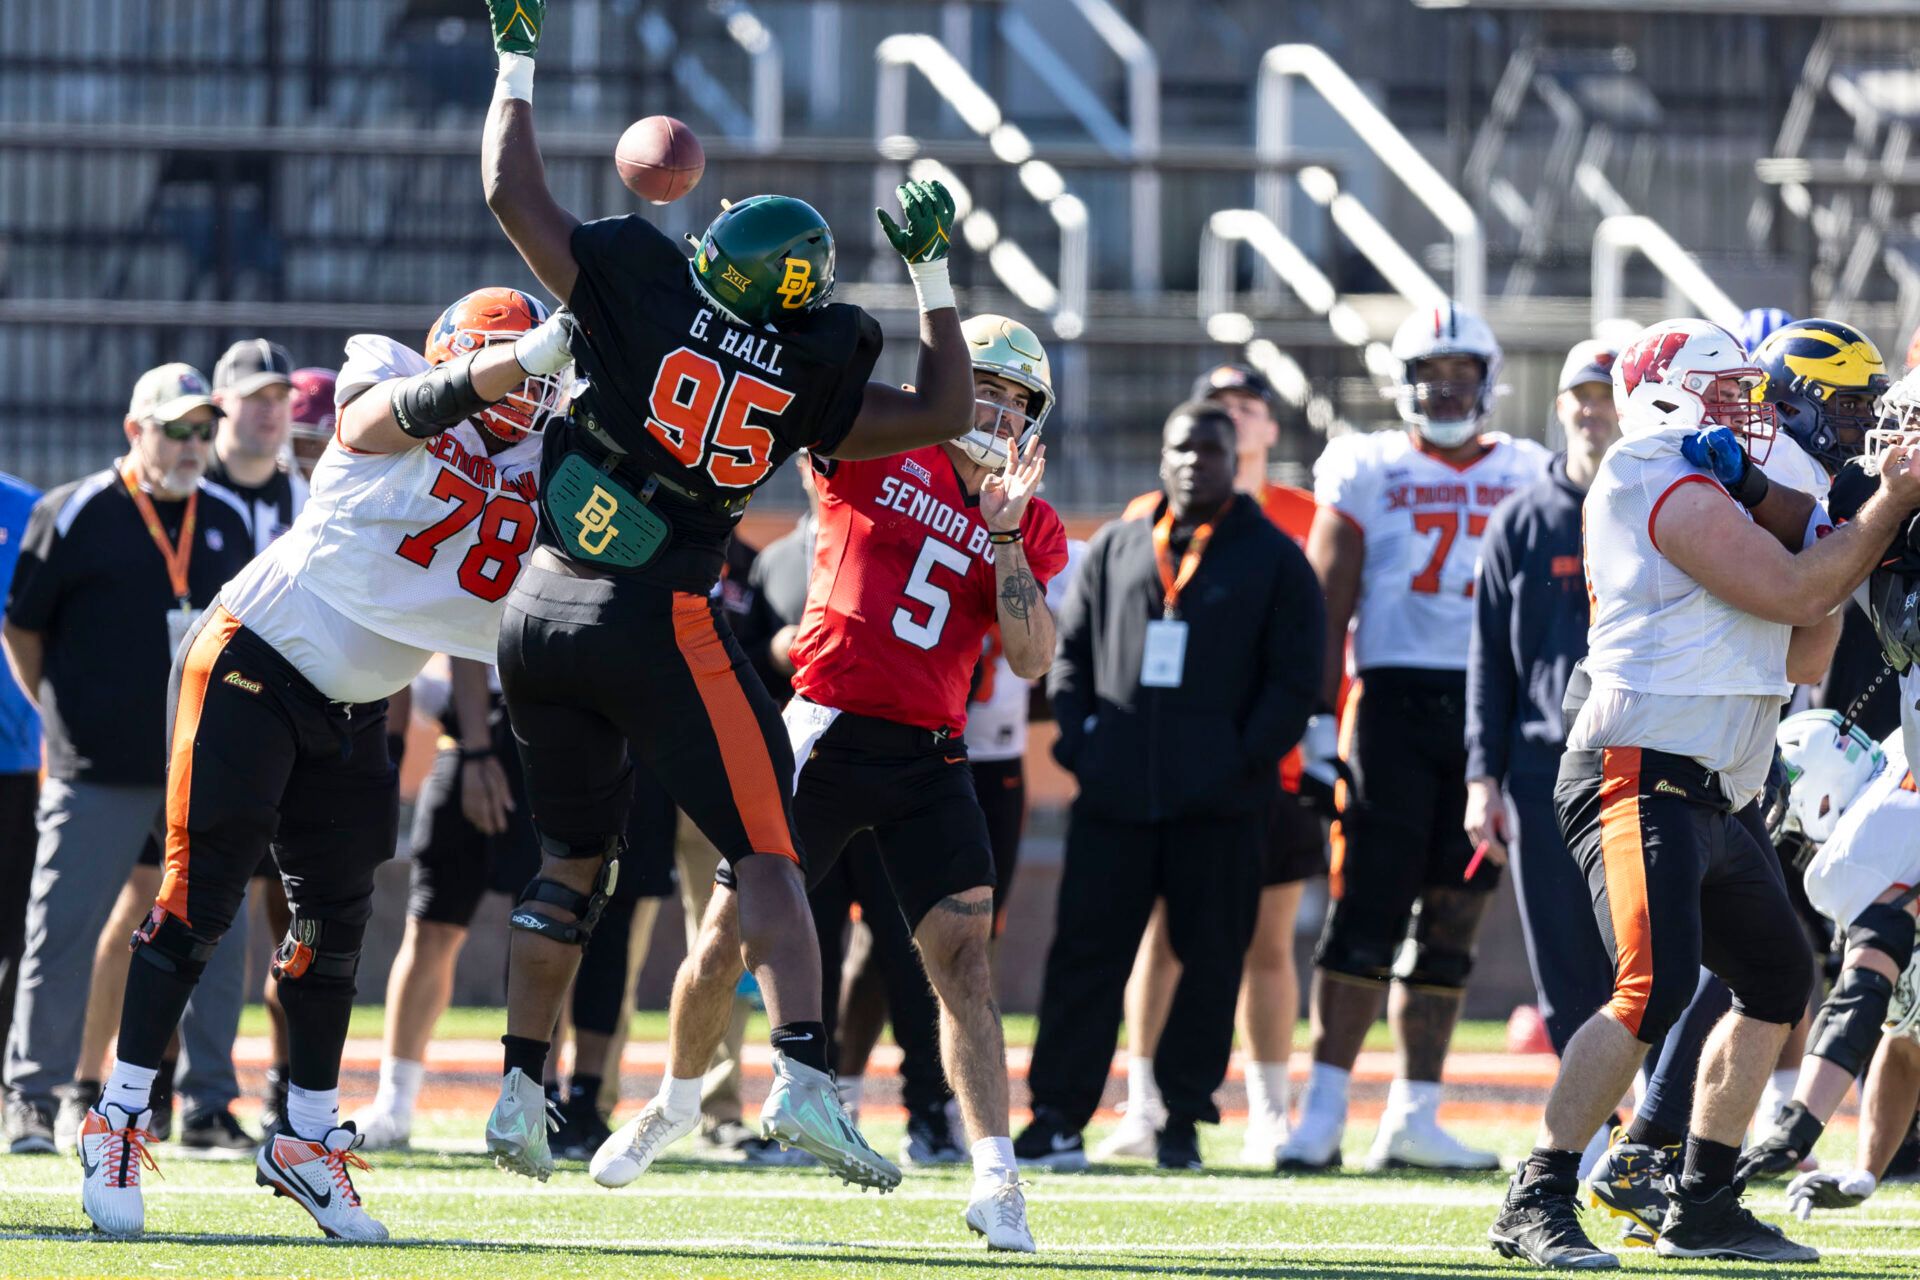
[(1623, 861), (743, 752), (195, 674), (1336, 836)]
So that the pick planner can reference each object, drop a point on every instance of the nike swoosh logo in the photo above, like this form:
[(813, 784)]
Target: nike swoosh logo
[(954, 759), (799, 1039), (1061, 1142), (88, 1167)]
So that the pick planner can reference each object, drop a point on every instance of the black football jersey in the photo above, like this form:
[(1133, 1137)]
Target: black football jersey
[(708, 404), (1852, 486)]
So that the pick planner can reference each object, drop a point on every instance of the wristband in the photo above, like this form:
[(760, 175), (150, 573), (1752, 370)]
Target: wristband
[(1001, 537), (931, 285), (428, 403), (1752, 488), (516, 77), (477, 753)]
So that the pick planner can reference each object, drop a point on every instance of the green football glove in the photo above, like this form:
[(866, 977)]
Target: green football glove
[(928, 210), (516, 24)]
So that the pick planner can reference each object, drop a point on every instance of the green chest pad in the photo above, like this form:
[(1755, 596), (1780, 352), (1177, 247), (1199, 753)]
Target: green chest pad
[(598, 520)]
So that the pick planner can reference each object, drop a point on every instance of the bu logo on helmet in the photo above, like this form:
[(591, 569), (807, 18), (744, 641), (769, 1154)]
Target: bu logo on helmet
[(797, 284)]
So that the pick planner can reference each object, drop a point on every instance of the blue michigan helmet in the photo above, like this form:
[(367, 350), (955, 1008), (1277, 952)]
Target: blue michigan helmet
[(1823, 378)]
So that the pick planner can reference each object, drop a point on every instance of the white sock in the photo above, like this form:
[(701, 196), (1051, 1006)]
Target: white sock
[(1267, 1093), (312, 1113), (1143, 1092), (1778, 1093), (993, 1160), (851, 1087), (128, 1087), (399, 1086), (680, 1097), (1414, 1098), (1326, 1091)]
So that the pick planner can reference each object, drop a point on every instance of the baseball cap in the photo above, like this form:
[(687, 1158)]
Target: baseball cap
[(170, 392), (312, 399), (1589, 361), (1233, 377), (253, 363)]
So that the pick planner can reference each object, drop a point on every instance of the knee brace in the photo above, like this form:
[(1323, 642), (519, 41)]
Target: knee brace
[(319, 953), (586, 907), (1356, 945), (1888, 929), (168, 945), (1434, 965), (1847, 1030)]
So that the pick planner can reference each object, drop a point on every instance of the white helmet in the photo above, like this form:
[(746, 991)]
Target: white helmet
[(1829, 763), (1444, 413), (1693, 373), (1006, 349), (1897, 420)]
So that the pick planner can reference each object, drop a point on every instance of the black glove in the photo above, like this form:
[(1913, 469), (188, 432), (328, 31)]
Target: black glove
[(1780, 1152)]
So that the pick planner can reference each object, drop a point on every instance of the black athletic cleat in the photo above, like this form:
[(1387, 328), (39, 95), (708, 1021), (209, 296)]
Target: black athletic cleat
[(582, 1130), (1047, 1144), (29, 1127), (1179, 1145), (1719, 1226), (273, 1103), (215, 1130), (1626, 1183), (1542, 1225)]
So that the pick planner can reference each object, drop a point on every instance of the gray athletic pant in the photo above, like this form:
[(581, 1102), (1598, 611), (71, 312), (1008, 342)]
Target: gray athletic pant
[(90, 839)]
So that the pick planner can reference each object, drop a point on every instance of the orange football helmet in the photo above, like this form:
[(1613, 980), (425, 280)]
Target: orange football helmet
[(492, 315)]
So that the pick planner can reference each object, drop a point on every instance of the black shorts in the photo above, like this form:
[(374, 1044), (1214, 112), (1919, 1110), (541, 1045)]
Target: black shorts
[(261, 760), (1001, 788), (1679, 882), (602, 674), (1296, 841), (1401, 828), (455, 863), (913, 791)]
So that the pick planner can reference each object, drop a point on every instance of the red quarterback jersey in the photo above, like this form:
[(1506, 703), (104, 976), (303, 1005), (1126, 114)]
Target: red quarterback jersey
[(902, 593)]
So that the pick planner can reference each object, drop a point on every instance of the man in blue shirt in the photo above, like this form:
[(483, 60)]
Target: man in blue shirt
[(1530, 627), (19, 765)]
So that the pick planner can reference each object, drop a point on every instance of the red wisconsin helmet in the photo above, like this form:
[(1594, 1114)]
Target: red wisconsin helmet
[(492, 315), (1692, 373)]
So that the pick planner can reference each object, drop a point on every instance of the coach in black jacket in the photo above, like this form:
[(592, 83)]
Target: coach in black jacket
[(1186, 668)]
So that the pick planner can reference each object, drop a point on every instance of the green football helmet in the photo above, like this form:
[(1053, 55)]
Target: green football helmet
[(765, 260)]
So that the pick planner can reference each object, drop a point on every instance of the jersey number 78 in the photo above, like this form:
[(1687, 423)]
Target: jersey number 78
[(506, 531)]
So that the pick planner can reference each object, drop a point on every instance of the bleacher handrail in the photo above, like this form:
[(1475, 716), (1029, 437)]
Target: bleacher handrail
[(979, 111), (1284, 63), (1618, 237)]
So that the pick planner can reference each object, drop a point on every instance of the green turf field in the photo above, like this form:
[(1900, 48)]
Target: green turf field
[(453, 1215)]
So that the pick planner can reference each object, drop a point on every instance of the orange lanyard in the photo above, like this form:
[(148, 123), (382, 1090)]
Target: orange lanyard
[(1171, 582), (178, 555)]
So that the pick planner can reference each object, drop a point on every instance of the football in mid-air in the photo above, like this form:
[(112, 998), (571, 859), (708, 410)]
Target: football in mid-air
[(659, 159)]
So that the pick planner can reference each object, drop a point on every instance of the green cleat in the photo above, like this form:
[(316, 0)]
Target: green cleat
[(804, 1111), (517, 1129)]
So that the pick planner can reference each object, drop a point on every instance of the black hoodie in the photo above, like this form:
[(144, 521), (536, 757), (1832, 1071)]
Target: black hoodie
[(1256, 631)]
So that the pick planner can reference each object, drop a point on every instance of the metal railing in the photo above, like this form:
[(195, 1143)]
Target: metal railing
[(897, 55), (763, 124), (1619, 237), (1281, 66)]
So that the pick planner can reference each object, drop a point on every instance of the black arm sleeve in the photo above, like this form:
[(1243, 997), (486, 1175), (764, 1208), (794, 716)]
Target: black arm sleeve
[(1295, 639), (428, 403)]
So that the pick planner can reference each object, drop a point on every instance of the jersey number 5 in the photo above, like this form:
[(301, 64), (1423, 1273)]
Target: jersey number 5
[(692, 419), (1447, 525), (494, 562), (920, 587)]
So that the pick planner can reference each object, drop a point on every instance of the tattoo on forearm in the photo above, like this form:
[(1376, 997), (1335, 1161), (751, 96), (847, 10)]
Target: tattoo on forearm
[(961, 907), (1018, 595)]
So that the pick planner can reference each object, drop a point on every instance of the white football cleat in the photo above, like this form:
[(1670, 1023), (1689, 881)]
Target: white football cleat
[(1000, 1214), (113, 1147), (1264, 1141), (517, 1130), (1137, 1136), (1416, 1141), (1314, 1144), (314, 1176), (383, 1130), (632, 1148)]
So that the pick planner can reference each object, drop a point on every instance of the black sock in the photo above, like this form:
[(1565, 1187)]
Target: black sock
[(583, 1090), (528, 1055), (1651, 1133), (1709, 1166), (163, 1083), (804, 1042), (1559, 1170)]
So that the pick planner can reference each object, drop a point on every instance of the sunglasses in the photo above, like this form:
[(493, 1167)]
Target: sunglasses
[(202, 431)]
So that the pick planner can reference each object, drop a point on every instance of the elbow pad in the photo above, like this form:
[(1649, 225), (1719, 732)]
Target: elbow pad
[(428, 403)]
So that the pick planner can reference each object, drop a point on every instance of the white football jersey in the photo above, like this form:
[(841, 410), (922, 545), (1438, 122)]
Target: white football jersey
[(1422, 520), (997, 721), (1788, 464), (1876, 845), (418, 547)]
